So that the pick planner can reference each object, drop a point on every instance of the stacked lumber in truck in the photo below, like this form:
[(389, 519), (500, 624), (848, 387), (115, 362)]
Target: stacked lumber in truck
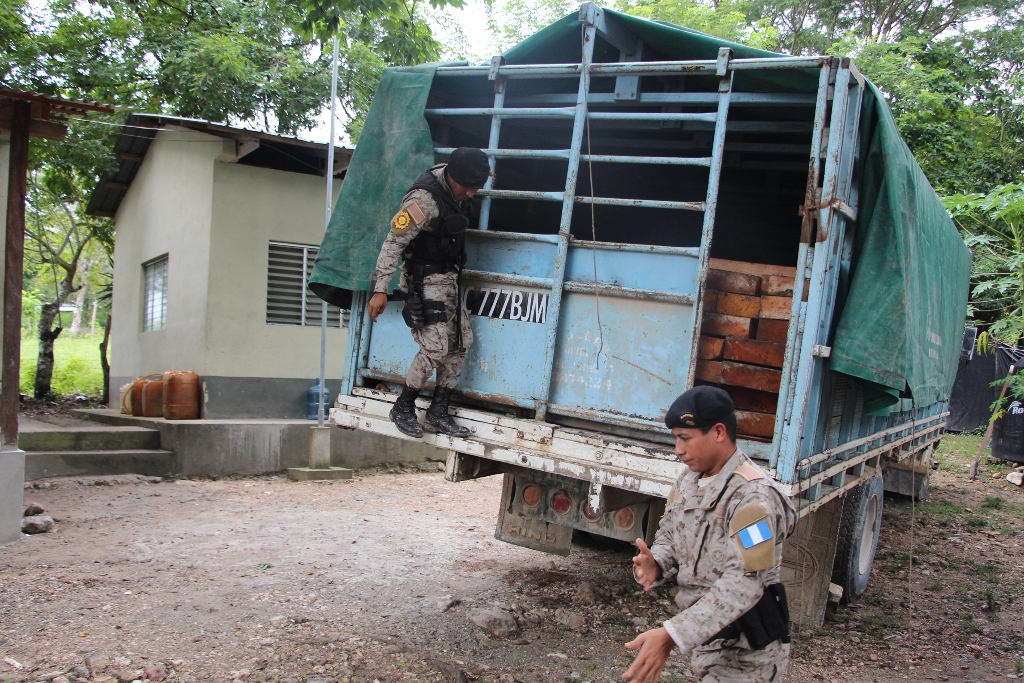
[(742, 343)]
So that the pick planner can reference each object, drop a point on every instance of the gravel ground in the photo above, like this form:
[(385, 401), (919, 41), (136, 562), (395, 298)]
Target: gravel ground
[(381, 579)]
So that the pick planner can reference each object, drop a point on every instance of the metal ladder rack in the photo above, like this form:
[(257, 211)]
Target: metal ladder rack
[(594, 22)]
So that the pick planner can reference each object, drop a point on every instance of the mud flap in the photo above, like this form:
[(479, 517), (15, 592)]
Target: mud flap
[(528, 532)]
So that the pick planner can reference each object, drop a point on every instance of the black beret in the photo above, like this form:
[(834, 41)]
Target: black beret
[(700, 408), (468, 166)]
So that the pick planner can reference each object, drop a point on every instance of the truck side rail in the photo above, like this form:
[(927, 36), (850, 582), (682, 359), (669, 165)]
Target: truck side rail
[(631, 465)]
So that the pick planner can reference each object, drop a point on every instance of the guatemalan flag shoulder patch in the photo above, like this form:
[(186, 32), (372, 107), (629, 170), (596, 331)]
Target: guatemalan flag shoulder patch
[(755, 534), (752, 528)]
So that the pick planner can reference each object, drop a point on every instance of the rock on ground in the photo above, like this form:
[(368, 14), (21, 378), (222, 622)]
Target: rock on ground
[(495, 621), (96, 662), (158, 672), (36, 524), (572, 620), (33, 509), (446, 603)]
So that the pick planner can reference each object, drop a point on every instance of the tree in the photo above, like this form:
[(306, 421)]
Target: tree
[(258, 63), (815, 26), (57, 236), (726, 19), (513, 21), (958, 102), (993, 227)]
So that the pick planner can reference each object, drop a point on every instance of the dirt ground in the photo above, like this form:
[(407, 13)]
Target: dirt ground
[(374, 581)]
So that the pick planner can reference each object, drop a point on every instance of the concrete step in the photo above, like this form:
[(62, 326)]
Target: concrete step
[(152, 462), (89, 438), (114, 417)]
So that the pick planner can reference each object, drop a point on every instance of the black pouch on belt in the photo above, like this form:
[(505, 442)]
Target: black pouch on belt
[(419, 312), (764, 623), (412, 312)]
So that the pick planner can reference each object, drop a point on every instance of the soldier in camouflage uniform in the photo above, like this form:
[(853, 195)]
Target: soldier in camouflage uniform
[(721, 542), (427, 233)]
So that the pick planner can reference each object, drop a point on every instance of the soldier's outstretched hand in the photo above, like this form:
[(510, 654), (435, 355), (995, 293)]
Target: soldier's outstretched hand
[(646, 569), (655, 646), (378, 302)]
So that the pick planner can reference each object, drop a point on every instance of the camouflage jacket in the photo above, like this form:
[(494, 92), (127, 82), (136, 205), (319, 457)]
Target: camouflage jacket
[(701, 545), (418, 212)]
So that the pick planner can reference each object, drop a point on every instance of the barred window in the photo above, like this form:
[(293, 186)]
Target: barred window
[(289, 299), (154, 294)]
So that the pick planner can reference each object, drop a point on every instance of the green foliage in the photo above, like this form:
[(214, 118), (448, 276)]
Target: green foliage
[(817, 26), (726, 19), (958, 102), (77, 368), (993, 227), (262, 63), (514, 21)]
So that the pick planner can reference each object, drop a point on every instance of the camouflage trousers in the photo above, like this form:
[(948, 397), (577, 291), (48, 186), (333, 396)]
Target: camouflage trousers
[(439, 346), (715, 663)]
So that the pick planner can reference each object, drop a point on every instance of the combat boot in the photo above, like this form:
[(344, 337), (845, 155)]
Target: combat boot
[(438, 420), (404, 413)]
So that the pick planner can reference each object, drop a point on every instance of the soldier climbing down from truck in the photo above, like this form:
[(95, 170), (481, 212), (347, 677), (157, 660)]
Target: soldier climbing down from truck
[(721, 541), (428, 233)]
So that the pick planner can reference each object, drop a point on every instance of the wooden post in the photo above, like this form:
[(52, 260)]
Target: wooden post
[(10, 377)]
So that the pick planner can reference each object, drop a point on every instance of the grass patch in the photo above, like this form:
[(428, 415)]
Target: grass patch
[(957, 449), (839, 617), (940, 512), (972, 625), (76, 364), (992, 600), (879, 623), (974, 522), (987, 570), (993, 502), (935, 587)]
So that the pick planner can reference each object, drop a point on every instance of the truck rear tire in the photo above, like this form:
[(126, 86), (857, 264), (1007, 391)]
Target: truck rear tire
[(858, 538)]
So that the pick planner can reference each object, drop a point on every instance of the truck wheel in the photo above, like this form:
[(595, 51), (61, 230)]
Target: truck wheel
[(858, 538)]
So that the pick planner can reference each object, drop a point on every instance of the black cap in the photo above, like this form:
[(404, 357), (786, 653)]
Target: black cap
[(699, 408), (468, 167)]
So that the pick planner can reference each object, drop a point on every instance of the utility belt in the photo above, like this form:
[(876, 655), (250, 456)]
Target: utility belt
[(419, 311), (764, 623)]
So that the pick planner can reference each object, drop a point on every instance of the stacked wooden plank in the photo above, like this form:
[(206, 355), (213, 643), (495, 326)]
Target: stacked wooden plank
[(743, 339)]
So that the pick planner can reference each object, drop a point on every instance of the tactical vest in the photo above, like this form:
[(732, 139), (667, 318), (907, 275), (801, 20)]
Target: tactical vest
[(435, 251)]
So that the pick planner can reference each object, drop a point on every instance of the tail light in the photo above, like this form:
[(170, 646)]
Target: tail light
[(531, 495), (561, 502), (624, 519), (590, 514)]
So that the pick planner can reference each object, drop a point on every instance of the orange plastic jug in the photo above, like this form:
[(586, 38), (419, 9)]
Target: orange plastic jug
[(181, 395)]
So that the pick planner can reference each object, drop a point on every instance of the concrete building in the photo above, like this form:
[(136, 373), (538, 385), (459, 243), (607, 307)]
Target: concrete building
[(216, 232)]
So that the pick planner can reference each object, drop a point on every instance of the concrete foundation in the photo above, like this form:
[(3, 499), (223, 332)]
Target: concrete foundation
[(12, 494), (248, 447), (319, 474), (250, 398)]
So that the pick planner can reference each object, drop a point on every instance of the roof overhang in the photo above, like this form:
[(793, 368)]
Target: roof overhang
[(46, 113)]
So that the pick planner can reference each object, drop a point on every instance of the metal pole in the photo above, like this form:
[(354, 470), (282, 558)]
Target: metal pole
[(327, 221), (14, 262)]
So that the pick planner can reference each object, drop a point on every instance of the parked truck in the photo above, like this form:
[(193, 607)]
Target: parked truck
[(668, 209)]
